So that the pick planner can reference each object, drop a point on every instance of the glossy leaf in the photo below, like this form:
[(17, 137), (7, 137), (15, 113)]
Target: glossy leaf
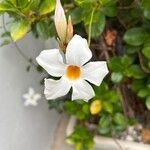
[(47, 6), (120, 119), (148, 103), (19, 29), (135, 36), (116, 77)]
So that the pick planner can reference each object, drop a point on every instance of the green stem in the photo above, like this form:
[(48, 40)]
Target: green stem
[(17, 47), (90, 27)]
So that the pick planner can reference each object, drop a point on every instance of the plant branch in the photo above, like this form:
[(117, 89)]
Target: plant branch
[(90, 27), (145, 69), (68, 6), (17, 47)]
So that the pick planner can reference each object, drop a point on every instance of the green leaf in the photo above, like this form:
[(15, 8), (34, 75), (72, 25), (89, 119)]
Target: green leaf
[(143, 92), (147, 13), (138, 84), (116, 77), (4, 6), (13, 1), (135, 36), (148, 102), (76, 15), (5, 42), (81, 137), (19, 28), (115, 64), (100, 90), (107, 2), (104, 124), (22, 3), (110, 11), (131, 49), (86, 109), (85, 3), (120, 119), (145, 3), (146, 48), (126, 60), (135, 71), (146, 52), (30, 7), (113, 96), (107, 106), (43, 29), (5, 34), (47, 6), (98, 23), (56, 104)]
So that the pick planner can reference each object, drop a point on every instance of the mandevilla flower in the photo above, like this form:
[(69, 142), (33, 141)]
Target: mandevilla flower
[(31, 97), (73, 70)]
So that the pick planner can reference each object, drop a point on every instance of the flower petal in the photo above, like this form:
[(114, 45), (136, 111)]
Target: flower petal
[(56, 88), (52, 62), (31, 91), (77, 51), (37, 97), (95, 72), (26, 96), (30, 102), (82, 90)]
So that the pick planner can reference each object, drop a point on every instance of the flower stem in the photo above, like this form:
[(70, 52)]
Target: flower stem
[(17, 47), (90, 27)]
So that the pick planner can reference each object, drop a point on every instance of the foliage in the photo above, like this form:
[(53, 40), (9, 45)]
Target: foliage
[(81, 137)]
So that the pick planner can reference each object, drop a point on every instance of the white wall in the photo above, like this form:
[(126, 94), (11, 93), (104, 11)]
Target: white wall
[(23, 128)]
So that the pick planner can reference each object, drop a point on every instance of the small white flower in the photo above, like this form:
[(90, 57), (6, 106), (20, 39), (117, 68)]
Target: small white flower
[(31, 97), (74, 70)]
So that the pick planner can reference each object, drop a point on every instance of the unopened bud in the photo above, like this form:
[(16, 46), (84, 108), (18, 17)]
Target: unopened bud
[(96, 107), (69, 30), (60, 22)]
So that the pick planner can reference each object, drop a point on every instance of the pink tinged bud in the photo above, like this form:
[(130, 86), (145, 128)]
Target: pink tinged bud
[(69, 30), (60, 21)]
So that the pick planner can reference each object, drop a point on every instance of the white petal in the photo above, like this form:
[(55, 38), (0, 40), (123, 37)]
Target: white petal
[(37, 97), (30, 102), (77, 51), (31, 91), (56, 88), (82, 90), (52, 62), (95, 72), (26, 96)]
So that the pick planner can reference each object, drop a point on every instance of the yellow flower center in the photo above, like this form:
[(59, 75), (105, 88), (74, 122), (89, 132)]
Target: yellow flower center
[(73, 72)]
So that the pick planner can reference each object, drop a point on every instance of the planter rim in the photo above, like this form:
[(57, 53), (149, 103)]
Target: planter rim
[(100, 141)]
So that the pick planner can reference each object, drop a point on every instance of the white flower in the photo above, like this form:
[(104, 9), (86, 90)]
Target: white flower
[(31, 97), (74, 70)]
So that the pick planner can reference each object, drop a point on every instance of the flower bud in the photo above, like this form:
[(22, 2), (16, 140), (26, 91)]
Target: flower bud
[(96, 107), (60, 22), (69, 30)]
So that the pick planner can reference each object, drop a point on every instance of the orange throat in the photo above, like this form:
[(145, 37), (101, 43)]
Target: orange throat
[(73, 72)]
